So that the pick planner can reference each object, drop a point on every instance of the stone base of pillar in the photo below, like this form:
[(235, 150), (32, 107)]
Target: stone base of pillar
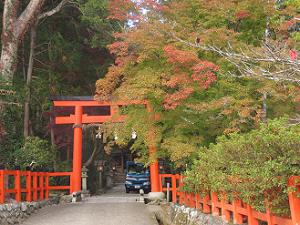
[(85, 194), (153, 196), (76, 196)]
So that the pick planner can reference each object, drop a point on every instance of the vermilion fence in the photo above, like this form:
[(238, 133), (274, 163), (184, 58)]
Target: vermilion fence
[(237, 211), (28, 186)]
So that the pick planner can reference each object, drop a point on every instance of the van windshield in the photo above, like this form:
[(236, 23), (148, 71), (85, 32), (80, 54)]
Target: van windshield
[(137, 168)]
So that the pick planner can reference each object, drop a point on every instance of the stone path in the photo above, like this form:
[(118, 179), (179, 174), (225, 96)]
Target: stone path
[(113, 208)]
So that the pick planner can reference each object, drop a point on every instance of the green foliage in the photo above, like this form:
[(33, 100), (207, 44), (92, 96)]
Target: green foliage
[(94, 16), (35, 149), (255, 165), (65, 56)]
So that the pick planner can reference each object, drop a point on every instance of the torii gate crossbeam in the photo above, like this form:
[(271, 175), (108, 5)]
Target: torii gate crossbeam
[(78, 118)]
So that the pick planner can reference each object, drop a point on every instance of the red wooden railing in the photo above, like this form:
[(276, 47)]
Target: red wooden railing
[(29, 186), (237, 210)]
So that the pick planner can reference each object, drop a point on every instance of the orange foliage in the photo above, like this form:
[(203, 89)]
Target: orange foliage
[(242, 14), (119, 9), (203, 73)]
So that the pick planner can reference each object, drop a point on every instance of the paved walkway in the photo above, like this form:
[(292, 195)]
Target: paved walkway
[(113, 208)]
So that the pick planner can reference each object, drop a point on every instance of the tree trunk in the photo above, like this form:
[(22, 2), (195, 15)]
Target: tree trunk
[(28, 82), (9, 40), (8, 59), (13, 30)]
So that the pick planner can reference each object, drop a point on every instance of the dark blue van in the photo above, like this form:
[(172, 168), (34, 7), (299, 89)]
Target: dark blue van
[(137, 177)]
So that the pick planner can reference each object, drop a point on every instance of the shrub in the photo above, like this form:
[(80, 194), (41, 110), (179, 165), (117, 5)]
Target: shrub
[(35, 149), (256, 165)]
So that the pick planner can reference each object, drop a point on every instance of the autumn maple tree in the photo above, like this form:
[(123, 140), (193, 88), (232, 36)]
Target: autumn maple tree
[(174, 53)]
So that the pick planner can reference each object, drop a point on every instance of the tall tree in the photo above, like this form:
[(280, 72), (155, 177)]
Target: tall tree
[(14, 27), (168, 55), (33, 37)]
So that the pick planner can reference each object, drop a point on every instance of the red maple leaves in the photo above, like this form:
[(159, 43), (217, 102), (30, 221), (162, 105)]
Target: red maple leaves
[(120, 9), (242, 14), (189, 69)]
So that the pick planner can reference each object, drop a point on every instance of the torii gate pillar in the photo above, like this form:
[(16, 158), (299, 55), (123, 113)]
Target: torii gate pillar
[(77, 150), (154, 170)]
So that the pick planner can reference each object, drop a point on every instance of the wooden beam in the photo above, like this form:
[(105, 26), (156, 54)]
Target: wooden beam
[(89, 119), (98, 103)]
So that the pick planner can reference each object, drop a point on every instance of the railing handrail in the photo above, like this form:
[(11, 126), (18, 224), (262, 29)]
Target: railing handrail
[(211, 204), (36, 184)]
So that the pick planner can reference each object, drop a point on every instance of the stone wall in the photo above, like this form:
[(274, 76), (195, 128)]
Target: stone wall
[(14, 213), (189, 216), (173, 214)]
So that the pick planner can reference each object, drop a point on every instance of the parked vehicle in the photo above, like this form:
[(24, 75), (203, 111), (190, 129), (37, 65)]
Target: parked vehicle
[(137, 177)]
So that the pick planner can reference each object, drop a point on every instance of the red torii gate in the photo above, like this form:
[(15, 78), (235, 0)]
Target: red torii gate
[(78, 118)]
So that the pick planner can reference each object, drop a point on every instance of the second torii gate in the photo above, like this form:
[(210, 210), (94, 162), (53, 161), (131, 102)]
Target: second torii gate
[(79, 118)]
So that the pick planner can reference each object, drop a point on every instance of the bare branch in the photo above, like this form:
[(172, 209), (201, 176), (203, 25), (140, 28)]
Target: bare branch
[(54, 10), (271, 61)]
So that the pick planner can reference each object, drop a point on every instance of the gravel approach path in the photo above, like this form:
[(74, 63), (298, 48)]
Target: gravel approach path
[(113, 208)]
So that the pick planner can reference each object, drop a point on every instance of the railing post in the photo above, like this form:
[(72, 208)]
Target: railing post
[(251, 219), (174, 189), (192, 200), (225, 212), (18, 185), (35, 186), (188, 200), (214, 201), (2, 186), (269, 217), (160, 183), (197, 201), (47, 186), (206, 208), (237, 218), (71, 183), (181, 193), (41, 186), (294, 201), (28, 186)]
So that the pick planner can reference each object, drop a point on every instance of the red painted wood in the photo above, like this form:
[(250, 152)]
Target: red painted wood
[(2, 187), (251, 219), (59, 174), (237, 208), (294, 200), (28, 187), (214, 201), (77, 150), (46, 186), (206, 208), (99, 103), (18, 185), (35, 186), (237, 217), (225, 213), (89, 119), (41, 186)]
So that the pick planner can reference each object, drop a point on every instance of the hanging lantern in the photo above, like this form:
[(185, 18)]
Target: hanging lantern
[(115, 136), (133, 134), (99, 133)]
